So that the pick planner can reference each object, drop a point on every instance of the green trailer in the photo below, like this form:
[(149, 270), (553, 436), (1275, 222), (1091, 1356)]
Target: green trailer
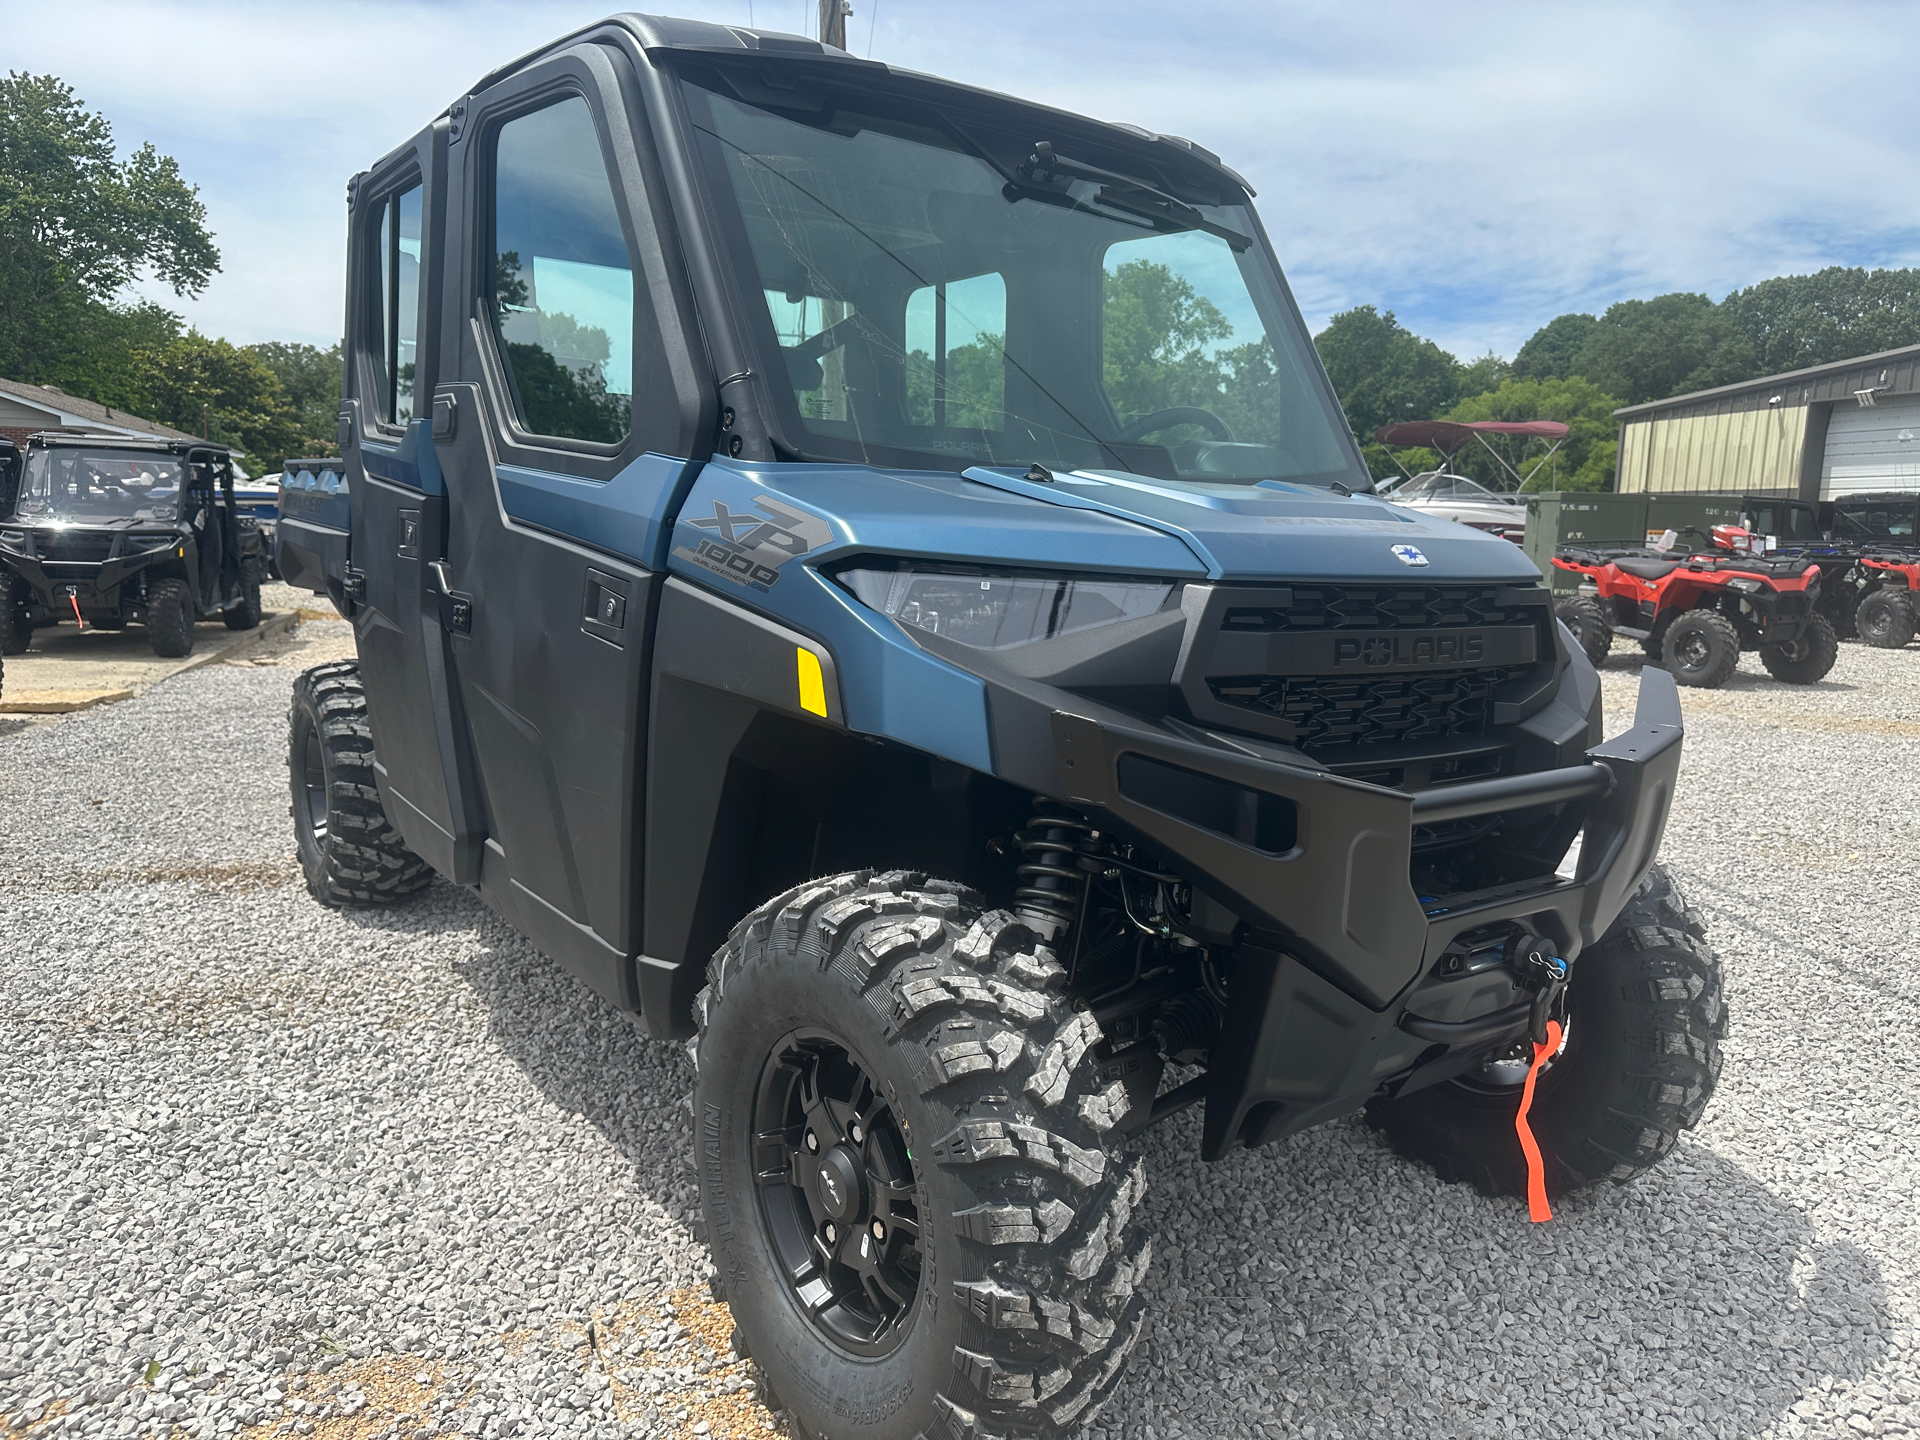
[(1557, 518)]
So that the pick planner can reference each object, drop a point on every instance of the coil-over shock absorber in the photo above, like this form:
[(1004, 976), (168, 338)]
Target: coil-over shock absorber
[(1051, 888)]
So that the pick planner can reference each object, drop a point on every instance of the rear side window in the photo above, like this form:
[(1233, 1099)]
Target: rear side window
[(561, 289), (956, 339), (396, 241)]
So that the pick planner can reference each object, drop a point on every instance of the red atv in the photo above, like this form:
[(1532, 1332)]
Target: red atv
[(1890, 610), (1694, 612)]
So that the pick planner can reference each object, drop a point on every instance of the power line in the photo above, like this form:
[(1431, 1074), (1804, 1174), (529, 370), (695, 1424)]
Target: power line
[(873, 17)]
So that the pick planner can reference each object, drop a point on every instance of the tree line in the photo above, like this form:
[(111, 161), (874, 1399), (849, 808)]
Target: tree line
[(78, 224), (1580, 368)]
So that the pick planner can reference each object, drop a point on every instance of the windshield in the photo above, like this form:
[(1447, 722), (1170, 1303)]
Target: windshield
[(910, 311), (74, 484), (1877, 519), (1789, 524), (1445, 487)]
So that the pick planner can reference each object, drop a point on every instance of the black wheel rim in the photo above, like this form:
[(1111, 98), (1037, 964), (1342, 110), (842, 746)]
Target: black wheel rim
[(836, 1193), (1691, 651), (313, 782)]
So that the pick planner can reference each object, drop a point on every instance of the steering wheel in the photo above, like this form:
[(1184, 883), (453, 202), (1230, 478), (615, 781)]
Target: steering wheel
[(1178, 415)]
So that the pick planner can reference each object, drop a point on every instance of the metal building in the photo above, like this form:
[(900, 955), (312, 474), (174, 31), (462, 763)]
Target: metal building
[(1832, 430)]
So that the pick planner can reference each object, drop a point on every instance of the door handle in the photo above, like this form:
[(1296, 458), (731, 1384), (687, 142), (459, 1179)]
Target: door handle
[(456, 609)]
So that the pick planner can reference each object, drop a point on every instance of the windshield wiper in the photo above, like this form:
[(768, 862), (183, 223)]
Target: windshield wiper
[(1125, 193)]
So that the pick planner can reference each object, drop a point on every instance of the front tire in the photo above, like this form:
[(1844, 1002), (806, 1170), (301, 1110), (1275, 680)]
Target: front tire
[(349, 851), (1645, 1020), (1701, 649), (1584, 616), (1885, 619), (956, 1123), (1805, 660), (246, 615), (170, 619), (15, 629)]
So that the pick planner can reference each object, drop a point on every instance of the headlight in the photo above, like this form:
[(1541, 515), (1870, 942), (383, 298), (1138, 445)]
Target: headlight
[(1749, 587), (148, 542), (996, 612)]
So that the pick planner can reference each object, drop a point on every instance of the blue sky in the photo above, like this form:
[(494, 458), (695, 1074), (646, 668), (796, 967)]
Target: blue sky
[(1477, 168)]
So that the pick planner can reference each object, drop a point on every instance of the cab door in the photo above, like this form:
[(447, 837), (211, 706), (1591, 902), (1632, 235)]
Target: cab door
[(565, 426), (398, 504)]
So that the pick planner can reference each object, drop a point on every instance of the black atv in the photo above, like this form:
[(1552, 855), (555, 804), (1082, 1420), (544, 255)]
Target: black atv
[(790, 591), (101, 530)]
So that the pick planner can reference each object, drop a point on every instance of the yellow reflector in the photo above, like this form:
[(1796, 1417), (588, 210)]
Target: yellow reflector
[(813, 686)]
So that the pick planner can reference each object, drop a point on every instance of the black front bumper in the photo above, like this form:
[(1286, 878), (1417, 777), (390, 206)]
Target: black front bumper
[(1319, 866), (96, 583)]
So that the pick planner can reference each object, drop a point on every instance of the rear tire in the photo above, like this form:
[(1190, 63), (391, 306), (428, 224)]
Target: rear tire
[(1805, 660), (1701, 648), (16, 631), (246, 615), (349, 852), (170, 618), (1588, 622), (1645, 1022), (985, 1120), (1885, 619)]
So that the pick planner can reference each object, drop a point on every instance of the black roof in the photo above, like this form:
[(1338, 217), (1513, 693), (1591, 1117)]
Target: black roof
[(124, 442), (668, 33)]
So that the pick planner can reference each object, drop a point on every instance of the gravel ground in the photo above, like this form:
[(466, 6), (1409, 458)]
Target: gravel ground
[(273, 1168)]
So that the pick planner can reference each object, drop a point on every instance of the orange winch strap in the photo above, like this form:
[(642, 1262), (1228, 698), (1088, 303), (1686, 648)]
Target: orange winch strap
[(76, 610), (1537, 1205)]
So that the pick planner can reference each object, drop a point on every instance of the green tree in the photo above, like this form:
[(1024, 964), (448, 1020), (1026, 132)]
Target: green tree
[(313, 381), (103, 349), (1649, 349), (210, 386), (1382, 373), (78, 224), (1584, 462), (1156, 335), (1794, 321), (1554, 348)]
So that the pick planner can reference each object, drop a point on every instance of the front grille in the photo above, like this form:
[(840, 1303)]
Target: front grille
[(1792, 605), (75, 549), (1378, 607), (1332, 713)]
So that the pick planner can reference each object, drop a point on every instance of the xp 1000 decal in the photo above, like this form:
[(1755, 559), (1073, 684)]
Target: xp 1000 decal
[(749, 548)]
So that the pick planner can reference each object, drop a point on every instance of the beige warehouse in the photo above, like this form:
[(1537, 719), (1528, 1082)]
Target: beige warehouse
[(1845, 428)]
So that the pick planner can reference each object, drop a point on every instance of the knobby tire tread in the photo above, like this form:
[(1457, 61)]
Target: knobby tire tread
[(1664, 1065), (973, 1006), (362, 861)]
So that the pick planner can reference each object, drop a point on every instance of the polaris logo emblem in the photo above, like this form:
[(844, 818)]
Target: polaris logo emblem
[(1409, 555), (1416, 651)]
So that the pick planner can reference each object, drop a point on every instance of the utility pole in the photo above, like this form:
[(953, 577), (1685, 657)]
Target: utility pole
[(833, 22)]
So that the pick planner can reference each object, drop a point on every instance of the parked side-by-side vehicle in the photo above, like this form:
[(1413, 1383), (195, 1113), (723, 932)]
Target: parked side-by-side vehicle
[(791, 589), (100, 530)]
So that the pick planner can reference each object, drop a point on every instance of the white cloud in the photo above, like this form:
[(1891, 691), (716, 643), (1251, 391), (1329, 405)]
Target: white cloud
[(1477, 168)]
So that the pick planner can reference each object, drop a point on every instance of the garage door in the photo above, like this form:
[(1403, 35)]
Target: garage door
[(1872, 447)]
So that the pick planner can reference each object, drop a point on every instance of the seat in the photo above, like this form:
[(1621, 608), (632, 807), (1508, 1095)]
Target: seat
[(1646, 569)]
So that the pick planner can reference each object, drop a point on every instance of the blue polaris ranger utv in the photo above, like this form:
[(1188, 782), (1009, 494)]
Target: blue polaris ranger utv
[(869, 574)]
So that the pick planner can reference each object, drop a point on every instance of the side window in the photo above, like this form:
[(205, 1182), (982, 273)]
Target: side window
[(956, 354), (561, 288), (395, 330)]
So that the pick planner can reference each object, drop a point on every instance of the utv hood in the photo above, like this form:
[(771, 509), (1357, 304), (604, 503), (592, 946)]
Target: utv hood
[(1272, 530)]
